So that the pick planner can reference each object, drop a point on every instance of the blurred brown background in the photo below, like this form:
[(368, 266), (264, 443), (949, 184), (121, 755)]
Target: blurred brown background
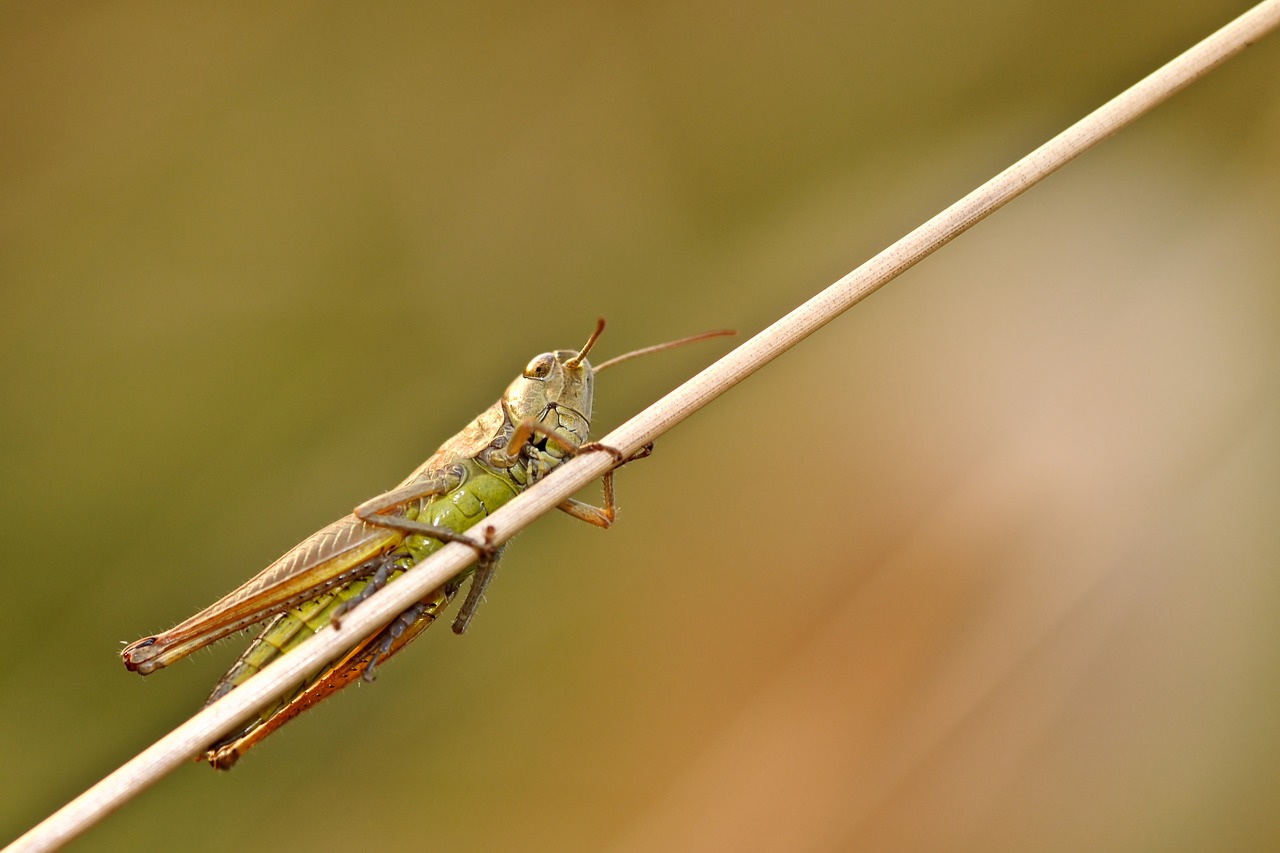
[(988, 564)]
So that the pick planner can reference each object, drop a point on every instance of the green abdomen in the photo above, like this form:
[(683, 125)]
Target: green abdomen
[(482, 491)]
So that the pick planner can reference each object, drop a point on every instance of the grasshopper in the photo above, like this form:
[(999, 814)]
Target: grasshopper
[(542, 419)]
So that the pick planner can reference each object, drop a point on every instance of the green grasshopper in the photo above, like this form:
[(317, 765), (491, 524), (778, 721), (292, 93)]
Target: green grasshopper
[(542, 419)]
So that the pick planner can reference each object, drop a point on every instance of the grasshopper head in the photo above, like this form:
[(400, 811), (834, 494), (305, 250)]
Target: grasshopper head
[(552, 380), (555, 388)]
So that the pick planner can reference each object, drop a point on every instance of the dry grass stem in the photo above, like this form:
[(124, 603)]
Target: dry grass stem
[(209, 725)]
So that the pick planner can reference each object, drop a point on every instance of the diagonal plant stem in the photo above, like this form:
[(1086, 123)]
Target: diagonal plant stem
[(190, 738)]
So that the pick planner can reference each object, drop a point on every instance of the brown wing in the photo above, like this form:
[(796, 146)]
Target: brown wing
[(328, 558)]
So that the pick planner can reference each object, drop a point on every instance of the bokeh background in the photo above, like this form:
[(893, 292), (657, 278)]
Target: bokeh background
[(988, 564)]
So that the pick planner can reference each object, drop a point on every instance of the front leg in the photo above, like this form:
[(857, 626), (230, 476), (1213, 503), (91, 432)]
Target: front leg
[(599, 516), (605, 515), (526, 430)]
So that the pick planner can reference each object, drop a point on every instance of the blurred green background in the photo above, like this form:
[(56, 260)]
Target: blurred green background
[(989, 563)]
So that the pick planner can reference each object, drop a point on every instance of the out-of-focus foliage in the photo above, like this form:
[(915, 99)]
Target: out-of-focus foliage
[(990, 563)]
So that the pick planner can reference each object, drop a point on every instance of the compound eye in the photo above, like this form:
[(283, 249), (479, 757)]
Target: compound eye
[(540, 367)]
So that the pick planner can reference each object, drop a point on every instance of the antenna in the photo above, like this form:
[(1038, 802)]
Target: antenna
[(576, 360), (626, 356)]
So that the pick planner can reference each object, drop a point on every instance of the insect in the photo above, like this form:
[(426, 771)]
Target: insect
[(542, 419)]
